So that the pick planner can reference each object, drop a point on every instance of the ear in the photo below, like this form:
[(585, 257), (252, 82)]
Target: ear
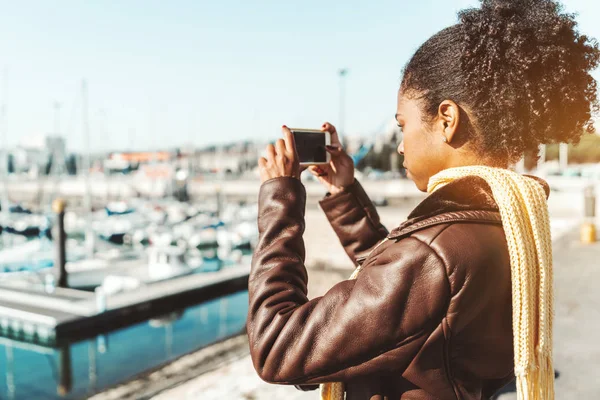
[(449, 119)]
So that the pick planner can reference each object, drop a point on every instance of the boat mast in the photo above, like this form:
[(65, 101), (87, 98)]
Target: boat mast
[(87, 198), (4, 126)]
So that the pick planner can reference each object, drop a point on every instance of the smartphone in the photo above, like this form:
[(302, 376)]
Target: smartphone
[(310, 145)]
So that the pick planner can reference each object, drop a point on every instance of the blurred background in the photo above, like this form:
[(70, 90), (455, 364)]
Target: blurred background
[(129, 139)]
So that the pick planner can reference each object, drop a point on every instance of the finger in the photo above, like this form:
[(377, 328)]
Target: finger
[(262, 165), (316, 171), (319, 175), (335, 151), (319, 169), (290, 141), (335, 140), (270, 152), (280, 147)]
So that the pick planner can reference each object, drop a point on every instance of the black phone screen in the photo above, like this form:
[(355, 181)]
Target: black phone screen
[(310, 146)]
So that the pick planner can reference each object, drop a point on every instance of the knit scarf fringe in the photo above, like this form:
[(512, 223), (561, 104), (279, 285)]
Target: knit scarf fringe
[(524, 212)]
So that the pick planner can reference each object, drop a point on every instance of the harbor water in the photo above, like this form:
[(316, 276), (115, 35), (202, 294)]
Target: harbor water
[(77, 370)]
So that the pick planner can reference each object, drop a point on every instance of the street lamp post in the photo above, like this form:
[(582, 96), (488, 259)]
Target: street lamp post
[(341, 123)]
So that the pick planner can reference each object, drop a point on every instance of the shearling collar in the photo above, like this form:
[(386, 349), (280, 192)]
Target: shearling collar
[(469, 194)]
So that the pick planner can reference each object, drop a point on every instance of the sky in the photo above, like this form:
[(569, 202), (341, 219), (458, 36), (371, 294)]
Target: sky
[(173, 73)]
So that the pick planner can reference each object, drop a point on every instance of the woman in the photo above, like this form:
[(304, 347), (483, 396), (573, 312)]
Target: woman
[(457, 300)]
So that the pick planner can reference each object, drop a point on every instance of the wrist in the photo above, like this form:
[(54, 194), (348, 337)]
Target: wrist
[(333, 189), (336, 189)]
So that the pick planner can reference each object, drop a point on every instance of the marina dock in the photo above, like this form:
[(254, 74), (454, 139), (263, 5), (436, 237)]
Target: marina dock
[(68, 315)]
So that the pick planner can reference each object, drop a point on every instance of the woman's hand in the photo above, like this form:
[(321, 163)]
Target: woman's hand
[(339, 173), (282, 159)]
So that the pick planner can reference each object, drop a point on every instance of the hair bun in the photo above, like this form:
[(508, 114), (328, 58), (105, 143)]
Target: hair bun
[(521, 70), (526, 58)]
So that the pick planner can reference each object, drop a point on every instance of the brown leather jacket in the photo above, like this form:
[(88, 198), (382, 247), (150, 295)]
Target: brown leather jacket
[(428, 317)]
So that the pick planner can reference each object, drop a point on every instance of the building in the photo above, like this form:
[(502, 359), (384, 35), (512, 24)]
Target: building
[(37, 155)]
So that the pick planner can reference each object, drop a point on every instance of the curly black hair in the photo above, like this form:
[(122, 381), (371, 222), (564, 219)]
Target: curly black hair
[(518, 69)]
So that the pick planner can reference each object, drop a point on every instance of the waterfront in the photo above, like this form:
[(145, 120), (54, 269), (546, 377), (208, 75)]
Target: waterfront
[(134, 140)]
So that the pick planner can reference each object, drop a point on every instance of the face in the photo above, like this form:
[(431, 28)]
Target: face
[(423, 154)]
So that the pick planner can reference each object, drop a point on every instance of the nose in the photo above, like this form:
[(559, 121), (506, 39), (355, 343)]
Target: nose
[(401, 148)]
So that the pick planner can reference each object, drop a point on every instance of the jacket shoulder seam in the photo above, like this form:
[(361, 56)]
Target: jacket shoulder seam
[(441, 261), (446, 226), (432, 250)]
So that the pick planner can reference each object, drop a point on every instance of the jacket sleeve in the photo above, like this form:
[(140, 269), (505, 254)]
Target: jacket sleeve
[(374, 324), (354, 219)]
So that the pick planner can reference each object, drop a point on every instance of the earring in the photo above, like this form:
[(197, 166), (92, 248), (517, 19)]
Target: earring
[(444, 139)]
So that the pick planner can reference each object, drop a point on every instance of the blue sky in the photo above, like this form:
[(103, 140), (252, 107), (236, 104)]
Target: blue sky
[(165, 73)]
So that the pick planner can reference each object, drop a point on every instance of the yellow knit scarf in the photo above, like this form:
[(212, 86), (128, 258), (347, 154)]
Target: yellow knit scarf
[(524, 211)]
